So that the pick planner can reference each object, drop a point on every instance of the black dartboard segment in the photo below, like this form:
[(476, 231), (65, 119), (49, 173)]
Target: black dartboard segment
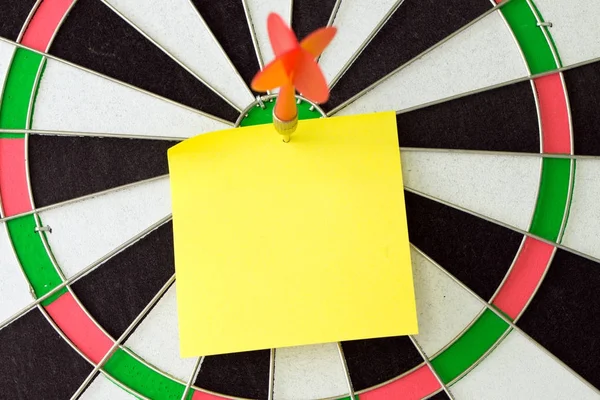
[(583, 87), (119, 289), (308, 15), (36, 362), (475, 251), (503, 119), (227, 21), (239, 374), (439, 396), (565, 313), (13, 15), (413, 28), (95, 37), (63, 168), (374, 361)]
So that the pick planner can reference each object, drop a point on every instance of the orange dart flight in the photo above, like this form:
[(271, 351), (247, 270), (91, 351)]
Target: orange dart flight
[(294, 67)]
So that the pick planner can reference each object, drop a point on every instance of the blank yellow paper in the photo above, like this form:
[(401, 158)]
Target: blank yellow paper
[(282, 244)]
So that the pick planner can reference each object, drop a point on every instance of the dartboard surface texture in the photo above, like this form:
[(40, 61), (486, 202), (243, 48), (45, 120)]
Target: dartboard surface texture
[(499, 131)]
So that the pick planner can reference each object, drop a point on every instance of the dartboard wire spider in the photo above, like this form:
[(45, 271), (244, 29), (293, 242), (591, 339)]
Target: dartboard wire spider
[(166, 219), (123, 336), (365, 42), (409, 62), (80, 274), (508, 321), (182, 64), (214, 38), (271, 389), (428, 362), (253, 34), (84, 197), (132, 135), (193, 376), (358, 95), (543, 156), (329, 113), (503, 224), (127, 85), (346, 371)]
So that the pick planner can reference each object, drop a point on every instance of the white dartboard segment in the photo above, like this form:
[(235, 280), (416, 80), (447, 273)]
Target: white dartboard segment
[(258, 11), (6, 54), (501, 187), (86, 230), (520, 370), (14, 289), (156, 339), (444, 308), (178, 28), (574, 28), (355, 20), (102, 388), (483, 55), (309, 372), (582, 232), (71, 99)]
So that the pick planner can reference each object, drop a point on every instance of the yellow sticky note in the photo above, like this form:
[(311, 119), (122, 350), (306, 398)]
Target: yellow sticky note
[(283, 244)]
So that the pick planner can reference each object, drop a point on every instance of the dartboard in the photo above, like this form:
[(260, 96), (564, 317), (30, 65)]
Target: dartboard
[(499, 130)]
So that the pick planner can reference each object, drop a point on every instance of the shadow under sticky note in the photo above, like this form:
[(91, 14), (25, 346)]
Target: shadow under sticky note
[(284, 244)]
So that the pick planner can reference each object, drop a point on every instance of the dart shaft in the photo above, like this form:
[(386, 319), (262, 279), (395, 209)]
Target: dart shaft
[(285, 113)]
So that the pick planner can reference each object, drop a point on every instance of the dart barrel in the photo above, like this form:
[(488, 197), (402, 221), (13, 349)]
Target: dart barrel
[(285, 128)]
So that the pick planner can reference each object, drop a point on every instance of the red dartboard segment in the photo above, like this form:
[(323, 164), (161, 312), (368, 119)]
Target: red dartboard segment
[(533, 260), (205, 396), (554, 115), (13, 180), (44, 23), (64, 310), (417, 384), (79, 328), (14, 191), (524, 278)]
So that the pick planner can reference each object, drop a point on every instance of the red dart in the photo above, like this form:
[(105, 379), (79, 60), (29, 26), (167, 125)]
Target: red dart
[(294, 67)]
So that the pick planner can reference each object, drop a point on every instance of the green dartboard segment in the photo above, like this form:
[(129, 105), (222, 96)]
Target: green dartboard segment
[(33, 257), (530, 36), (552, 198), (258, 115), (130, 372), (470, 347), (18, 89)]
